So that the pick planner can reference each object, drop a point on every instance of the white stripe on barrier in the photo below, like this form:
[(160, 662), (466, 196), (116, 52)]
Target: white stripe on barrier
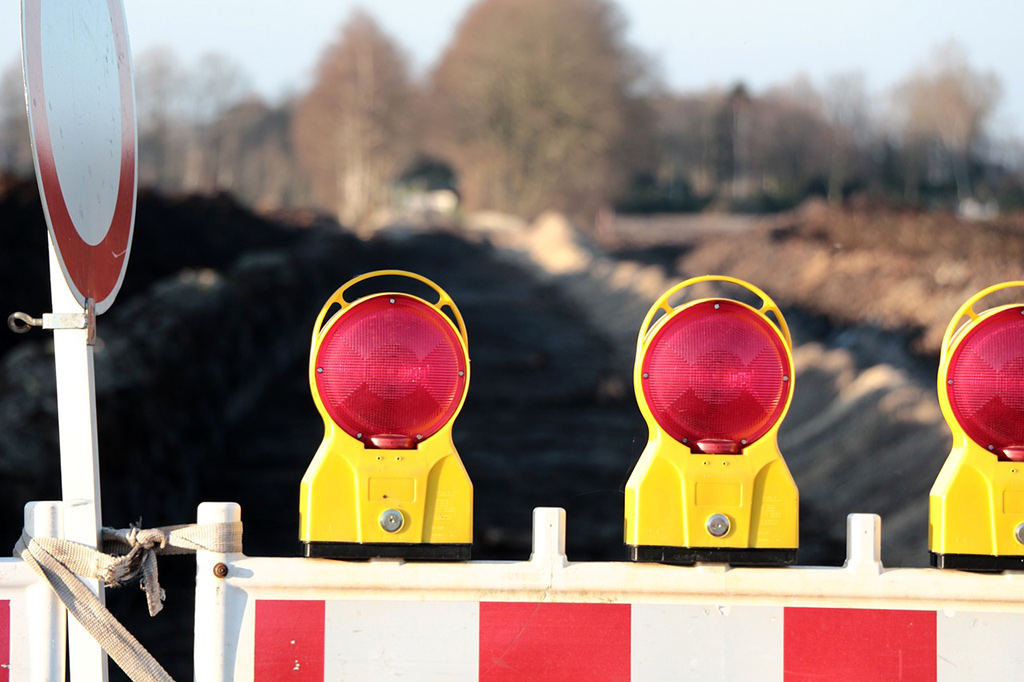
[(979, 646), (371, 640), (672, 642)]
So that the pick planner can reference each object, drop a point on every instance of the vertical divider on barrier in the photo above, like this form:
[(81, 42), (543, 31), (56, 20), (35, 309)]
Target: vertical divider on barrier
[(549, 536), (33, 622), (864, 544), (213, 652), (47, 619)]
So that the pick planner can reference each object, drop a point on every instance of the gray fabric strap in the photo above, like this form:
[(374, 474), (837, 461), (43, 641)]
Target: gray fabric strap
[(131, 553)]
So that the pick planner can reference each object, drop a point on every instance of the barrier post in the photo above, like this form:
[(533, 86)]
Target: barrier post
[(864, 544), (47, 619), (214, 651)]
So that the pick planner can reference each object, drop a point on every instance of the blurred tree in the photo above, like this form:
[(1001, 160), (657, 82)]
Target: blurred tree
[(790, 143), (201, 130), (738, 116), (683, 151), (353, 130), (845, 104), (540, 105), (216, 85), (15, 141), (160, 85), (949, 102), (743, 151), (257, 147)]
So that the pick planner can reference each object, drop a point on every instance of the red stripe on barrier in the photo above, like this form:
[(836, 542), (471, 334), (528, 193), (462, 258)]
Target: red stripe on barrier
[(859, 645), (551, 642), (5, 641), (289, 641)]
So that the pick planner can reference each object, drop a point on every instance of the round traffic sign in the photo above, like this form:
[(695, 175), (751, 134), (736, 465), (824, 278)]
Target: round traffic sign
[(81, 107)]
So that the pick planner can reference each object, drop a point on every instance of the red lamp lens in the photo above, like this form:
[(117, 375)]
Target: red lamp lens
[(985, 382), (391, 369), (716, 373)]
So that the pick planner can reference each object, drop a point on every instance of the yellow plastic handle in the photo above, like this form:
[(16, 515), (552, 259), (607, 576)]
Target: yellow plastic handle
[(967, 309), (662, 304), (338, 298)]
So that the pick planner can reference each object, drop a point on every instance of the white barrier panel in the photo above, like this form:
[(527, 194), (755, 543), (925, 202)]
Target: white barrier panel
[(32, 620), (547, 619)]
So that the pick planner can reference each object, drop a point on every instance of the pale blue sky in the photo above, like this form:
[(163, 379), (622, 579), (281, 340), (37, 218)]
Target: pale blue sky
[(696, 43)]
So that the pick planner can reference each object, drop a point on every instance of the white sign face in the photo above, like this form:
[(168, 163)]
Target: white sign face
[(81, 101), (84, 112)]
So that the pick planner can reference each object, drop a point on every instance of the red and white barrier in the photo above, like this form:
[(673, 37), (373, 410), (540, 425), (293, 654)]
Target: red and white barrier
[(33, 623), (548, 619), (314, 640)]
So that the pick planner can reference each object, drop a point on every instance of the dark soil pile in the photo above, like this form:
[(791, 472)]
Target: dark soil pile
[(171, 233)]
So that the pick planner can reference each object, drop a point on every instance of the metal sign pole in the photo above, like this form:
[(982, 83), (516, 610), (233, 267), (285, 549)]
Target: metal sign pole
[(80, 97), (79, 462)]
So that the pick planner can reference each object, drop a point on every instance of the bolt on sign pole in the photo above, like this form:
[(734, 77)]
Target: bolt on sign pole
[(81, 107)]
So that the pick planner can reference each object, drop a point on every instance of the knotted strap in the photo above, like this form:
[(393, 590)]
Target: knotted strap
[(131, 553)]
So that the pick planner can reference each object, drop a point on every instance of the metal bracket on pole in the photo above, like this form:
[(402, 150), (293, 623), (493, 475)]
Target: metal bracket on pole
[(21, 323)]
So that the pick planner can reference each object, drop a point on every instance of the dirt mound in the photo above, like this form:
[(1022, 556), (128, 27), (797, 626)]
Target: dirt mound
[(902, 271), (171, 233)]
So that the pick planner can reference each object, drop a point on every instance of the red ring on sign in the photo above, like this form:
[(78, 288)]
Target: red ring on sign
[(96, 271)]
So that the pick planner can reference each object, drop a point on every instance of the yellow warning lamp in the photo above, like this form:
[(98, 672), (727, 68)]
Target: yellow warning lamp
[(976, 506), (389, 374), (713, 378)]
